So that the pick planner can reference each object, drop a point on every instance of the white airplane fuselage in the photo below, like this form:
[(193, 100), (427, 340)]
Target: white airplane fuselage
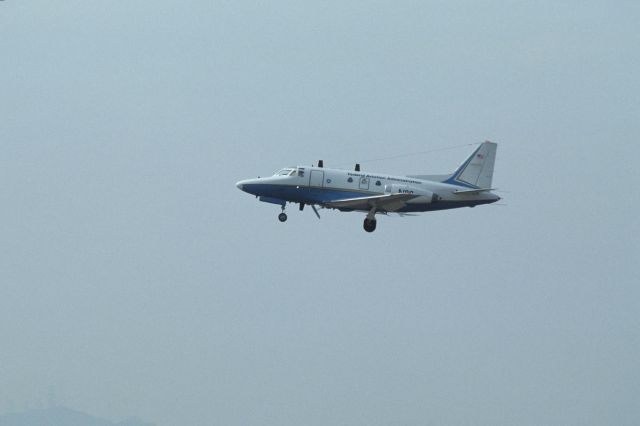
[(379, 193), (319, 185)]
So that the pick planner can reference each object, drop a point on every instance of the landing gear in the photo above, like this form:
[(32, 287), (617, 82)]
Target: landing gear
[(282, 217), (370, 221), (370, 225)]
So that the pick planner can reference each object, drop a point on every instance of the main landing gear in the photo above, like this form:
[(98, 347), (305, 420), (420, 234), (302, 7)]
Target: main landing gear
[(370, 221), (370, 225)]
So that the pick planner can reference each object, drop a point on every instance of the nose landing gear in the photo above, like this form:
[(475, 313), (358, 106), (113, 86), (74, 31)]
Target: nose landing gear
[(282, 217)]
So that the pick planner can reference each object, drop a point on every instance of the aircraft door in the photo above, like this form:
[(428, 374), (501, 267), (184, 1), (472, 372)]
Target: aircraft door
[(364, 183), (316, 179)]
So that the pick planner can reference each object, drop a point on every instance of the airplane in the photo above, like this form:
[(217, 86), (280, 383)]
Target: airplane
[(379, 193)]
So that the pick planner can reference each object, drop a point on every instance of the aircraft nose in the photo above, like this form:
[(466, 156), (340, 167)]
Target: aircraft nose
[(239, 185)]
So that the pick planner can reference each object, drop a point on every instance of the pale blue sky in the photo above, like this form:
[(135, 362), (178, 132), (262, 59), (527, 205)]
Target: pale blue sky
[(136, 279)]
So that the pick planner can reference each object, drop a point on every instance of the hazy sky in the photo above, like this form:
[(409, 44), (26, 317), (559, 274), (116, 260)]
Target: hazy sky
[(135, 279)]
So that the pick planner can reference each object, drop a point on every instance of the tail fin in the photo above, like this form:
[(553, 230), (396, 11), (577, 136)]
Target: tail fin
[(477, 170)]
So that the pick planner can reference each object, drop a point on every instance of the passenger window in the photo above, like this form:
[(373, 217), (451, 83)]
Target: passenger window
[(350, 180)]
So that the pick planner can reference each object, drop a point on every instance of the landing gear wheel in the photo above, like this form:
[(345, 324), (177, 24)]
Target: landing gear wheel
[(370, 225), (282, 217)]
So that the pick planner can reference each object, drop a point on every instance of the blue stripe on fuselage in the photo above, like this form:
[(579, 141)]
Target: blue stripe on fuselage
[(303, 194)]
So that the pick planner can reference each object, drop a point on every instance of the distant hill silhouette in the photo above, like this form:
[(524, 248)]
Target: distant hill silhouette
[(60, 416)]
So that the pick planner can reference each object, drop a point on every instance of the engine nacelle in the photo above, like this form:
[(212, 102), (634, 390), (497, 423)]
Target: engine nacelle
[(422, 195)]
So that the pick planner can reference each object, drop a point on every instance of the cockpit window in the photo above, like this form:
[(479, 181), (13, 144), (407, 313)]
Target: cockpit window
[(285, 172), (290, 171)]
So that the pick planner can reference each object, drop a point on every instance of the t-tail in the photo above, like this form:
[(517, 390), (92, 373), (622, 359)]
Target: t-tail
[(477, 170)]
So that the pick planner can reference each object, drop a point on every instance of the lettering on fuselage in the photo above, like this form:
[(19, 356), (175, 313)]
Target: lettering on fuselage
[(405, 191), (393, 179)]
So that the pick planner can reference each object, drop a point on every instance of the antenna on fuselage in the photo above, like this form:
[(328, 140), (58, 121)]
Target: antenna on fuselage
[(320, 163), (357, 167)]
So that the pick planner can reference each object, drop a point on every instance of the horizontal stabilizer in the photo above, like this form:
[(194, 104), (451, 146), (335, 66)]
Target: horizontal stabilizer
[(472, 191)]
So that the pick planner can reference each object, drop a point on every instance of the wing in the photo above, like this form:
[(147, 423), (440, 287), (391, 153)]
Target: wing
[(382, 203)]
